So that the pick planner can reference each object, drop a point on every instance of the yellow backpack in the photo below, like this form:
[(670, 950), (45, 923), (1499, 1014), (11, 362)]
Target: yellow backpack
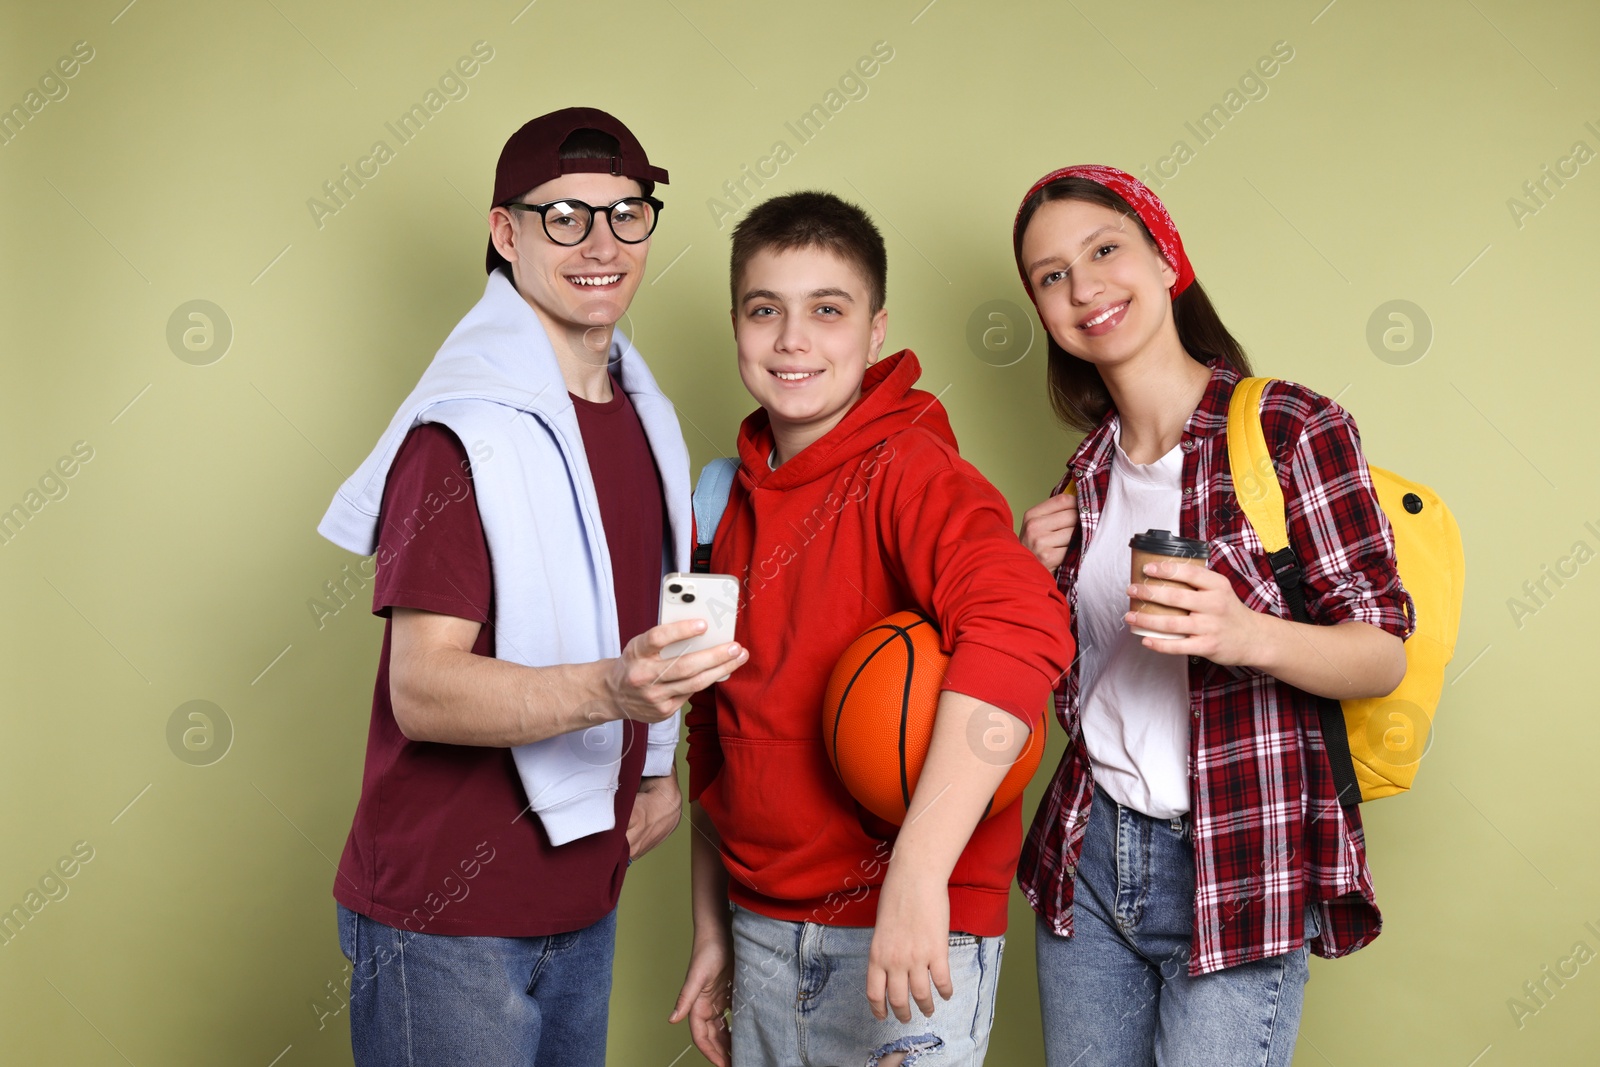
[(1374, 744)]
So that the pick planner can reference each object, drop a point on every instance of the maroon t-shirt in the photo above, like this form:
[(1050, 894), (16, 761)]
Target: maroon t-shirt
[(442, 842)]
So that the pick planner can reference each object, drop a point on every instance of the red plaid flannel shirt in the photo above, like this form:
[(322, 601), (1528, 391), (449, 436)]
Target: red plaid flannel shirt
[(1269, 834)]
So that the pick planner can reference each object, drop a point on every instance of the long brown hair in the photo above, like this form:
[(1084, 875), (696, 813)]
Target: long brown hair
[(1077, 392)]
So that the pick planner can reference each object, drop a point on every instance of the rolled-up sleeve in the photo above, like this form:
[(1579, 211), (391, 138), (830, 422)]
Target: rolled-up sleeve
[(1341, 536)]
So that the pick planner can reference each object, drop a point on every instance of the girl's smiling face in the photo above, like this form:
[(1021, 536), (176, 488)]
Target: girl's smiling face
[(1101, 286)]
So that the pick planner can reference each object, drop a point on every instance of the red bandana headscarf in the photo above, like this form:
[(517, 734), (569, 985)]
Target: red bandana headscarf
[(1139, 197)]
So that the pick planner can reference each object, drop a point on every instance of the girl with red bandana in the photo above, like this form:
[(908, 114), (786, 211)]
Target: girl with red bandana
[(1191, 848)]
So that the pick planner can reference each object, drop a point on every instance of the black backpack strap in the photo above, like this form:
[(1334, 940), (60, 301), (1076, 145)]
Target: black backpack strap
[(1286, 569)]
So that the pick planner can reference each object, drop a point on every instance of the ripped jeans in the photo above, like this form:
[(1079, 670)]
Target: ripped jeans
[(800, 999)]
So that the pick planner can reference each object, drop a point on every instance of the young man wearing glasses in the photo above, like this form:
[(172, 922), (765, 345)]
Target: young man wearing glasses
[(523, 506)]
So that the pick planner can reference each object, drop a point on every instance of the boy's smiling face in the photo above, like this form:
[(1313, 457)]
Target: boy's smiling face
[(578, 288), (806, 333)]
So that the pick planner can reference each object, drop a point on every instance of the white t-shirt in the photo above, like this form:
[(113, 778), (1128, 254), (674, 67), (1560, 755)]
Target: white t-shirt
[(1135, 702)]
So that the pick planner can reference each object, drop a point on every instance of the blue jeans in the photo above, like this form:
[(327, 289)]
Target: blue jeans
[(431, 1000), (800, 999), (1118, 992)]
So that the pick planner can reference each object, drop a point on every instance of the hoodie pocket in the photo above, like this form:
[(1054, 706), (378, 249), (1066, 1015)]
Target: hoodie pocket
[(789, 829)]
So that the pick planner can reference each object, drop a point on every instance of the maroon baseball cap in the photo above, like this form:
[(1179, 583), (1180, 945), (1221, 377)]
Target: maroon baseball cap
[(532, 157)]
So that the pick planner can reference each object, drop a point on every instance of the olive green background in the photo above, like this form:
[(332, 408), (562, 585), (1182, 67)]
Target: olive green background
[(178, 566)]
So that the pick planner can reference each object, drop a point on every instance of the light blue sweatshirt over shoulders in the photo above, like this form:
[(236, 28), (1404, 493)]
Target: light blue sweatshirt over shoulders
[(497, 385)]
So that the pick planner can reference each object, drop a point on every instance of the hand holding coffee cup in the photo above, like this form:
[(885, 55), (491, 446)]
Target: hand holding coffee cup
[(1161, 546)]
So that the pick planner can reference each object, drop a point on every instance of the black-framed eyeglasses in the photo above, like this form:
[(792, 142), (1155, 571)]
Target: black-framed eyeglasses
[(567, 222)]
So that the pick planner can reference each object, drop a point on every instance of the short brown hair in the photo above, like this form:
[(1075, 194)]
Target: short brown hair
[(596, 144), (812, 219)]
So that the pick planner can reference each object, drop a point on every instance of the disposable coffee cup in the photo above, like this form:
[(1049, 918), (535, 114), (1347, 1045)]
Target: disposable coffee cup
[(1158, 546)]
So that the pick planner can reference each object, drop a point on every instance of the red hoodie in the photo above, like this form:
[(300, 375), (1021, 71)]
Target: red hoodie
[(879, 515)]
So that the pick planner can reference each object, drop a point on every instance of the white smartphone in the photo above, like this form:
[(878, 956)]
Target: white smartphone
[(712, 597)]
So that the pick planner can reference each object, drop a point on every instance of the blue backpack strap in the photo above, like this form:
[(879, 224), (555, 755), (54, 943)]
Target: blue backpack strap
[(710, 501)]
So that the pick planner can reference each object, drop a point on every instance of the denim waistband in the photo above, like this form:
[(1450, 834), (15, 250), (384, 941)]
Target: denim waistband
[(1182, 825)]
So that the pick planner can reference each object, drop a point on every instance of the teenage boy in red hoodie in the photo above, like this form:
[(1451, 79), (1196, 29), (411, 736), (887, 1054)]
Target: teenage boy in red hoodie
[(852, 502)]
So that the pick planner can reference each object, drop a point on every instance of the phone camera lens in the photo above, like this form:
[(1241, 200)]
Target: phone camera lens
[(674, 588), (688, 598)]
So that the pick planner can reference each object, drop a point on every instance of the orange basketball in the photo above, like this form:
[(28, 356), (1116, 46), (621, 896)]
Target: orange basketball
[(877, 718)]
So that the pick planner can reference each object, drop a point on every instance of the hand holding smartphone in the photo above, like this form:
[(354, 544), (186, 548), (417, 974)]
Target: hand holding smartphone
[(711, 597)]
